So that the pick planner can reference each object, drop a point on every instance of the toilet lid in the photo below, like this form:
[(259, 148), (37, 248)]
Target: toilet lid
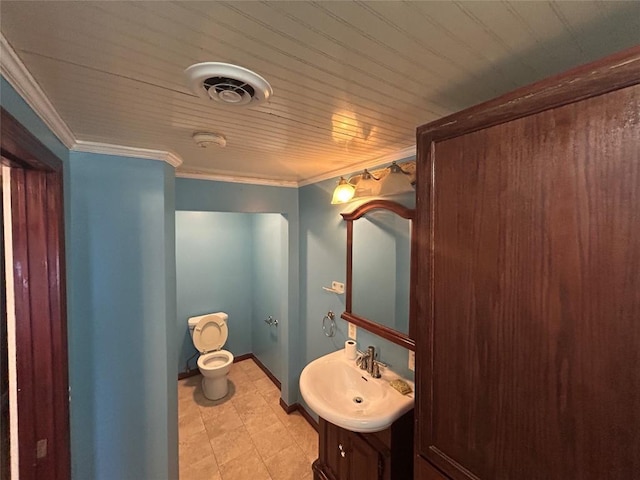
[(210, 333)]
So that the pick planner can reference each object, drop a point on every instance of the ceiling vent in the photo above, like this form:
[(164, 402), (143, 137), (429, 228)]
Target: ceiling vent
[(227, 84)]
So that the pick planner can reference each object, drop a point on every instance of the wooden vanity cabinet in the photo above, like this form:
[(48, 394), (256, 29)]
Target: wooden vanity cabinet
[(346, 455), (528, 282)]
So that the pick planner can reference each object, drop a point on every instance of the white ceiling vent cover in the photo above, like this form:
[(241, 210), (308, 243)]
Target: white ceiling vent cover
[(227, 84)]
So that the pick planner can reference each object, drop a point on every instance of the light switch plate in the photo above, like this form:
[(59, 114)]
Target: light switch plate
[(352, 331), (412, 360)]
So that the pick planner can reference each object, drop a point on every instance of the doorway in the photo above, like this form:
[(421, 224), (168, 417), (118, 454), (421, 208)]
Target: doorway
[(237, 263), (34, 310)]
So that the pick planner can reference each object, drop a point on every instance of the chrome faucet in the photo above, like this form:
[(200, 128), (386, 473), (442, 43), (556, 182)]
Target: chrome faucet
[(367, 361), (371, 354)]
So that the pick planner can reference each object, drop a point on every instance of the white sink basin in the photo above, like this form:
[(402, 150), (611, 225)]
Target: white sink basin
[(343, 394)]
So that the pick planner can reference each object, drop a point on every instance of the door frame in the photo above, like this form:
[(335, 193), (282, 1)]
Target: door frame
[(37, 221)]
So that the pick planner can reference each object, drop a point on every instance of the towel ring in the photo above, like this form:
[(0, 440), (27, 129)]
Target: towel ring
[(332, 325)]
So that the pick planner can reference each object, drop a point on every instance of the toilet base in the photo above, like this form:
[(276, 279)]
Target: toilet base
[(215, 388)]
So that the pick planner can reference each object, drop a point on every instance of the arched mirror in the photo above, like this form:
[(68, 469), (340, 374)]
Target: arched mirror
[(379, 270)]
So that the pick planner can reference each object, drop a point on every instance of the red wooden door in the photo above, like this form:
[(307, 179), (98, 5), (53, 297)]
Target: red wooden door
[(40, 312), (529, 283)]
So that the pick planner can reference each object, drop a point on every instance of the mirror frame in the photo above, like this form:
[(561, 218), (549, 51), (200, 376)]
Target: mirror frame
[(405, 340)]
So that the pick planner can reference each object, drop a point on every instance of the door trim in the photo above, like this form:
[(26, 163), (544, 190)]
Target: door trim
[(40, 301)]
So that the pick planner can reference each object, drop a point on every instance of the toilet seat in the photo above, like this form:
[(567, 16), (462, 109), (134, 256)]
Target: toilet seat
[(215, 360), (210, 334)]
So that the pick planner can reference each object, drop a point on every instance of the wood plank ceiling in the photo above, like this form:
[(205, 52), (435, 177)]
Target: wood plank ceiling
[(351, 80)]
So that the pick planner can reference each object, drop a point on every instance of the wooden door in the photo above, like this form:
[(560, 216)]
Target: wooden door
[(529, 282), (39, 295)]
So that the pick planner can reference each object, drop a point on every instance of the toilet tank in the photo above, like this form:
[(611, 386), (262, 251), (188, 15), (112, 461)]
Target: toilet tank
[(193, 321)]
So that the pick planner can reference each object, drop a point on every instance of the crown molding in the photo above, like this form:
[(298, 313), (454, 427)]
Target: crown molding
[(375, 162), (236, 179), (124, 151), (15, 72)]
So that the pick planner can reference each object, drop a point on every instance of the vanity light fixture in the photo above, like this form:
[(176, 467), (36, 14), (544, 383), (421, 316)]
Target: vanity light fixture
[(397, 181), (343, 192), (368, 186), (389, 181)]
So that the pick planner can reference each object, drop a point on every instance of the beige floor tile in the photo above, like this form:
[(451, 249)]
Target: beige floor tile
[(249, 402), (307, 439), (237, 374), (194, 447), (210, 412), (288, 464), (189, 424), (231, 445), (259, 419), (205, 468), (222, 424), (272, 439), (245, 364), (264, 385), (241, 388), (290, 420), (272, 397), (227, 439), (251, 366), (256, 374), (187, 391), (186, 407), (245, 467)]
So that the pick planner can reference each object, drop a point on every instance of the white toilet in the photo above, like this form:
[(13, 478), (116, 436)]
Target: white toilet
[(209, 333)]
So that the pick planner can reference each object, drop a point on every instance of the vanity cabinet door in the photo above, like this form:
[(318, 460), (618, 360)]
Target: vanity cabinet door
[(331, 450), (364, 461), (346, 455)]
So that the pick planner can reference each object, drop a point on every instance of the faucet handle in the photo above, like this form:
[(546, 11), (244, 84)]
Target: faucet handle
[(361, 360), (375, 373), (364, 363)]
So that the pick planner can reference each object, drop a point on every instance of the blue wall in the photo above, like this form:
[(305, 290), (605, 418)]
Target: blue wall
[(269, 281), (121, 318), (232, 262), (119, 229), (212, 196), (215, 273)]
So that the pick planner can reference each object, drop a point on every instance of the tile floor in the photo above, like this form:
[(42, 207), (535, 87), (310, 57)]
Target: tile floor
[(244, 436)]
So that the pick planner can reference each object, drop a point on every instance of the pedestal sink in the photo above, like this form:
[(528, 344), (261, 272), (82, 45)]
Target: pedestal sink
[(340, 392)]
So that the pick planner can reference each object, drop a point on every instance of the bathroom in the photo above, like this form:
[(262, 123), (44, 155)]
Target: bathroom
[(216, 257), (127, 196)]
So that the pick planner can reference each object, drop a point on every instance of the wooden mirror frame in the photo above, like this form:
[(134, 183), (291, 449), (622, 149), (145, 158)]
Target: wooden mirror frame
[(402, 339)]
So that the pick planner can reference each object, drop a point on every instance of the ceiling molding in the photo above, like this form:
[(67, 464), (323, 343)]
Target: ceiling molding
[(233, 179), (353, 168), (15, 72), (124, 151)]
